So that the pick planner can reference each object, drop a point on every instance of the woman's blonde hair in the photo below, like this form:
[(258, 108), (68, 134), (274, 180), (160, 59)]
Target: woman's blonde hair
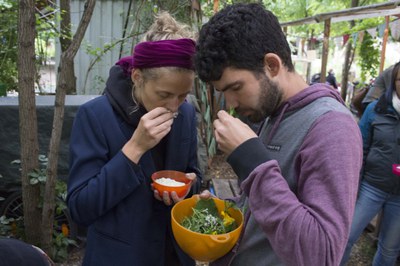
[(165, 27)]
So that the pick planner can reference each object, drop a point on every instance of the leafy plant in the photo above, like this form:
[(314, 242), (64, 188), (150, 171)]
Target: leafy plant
[(9, 43), (207, 220), (232, 112), (369, 57), (15, 227), (11, 226), (61, 243)]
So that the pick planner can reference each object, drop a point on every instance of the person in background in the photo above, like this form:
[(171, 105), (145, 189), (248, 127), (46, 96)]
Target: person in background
[(299, 176), (316, 78), (140, 125), (380, 187), (15, 252), (331, 79), (379, 86)]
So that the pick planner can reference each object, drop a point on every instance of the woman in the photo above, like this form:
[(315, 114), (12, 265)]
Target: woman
[(380, 187), (140, 125)]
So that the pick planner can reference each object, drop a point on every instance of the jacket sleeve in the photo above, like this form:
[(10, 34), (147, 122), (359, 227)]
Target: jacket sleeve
[(193, 166), (99, 177), (193, 155), (310, 226), (365, 125)]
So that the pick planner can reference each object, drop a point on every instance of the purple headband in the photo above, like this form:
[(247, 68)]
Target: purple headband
[(177, 53)]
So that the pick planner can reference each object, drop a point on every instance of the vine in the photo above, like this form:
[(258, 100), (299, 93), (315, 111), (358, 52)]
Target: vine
[(369, 55)]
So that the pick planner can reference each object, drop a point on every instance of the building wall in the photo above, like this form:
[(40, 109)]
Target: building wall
[(106, 27), (9, 135)]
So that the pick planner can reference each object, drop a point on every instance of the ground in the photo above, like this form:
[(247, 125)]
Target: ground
[(362, 253)]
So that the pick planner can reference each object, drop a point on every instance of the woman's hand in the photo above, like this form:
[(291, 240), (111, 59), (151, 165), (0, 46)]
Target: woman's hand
[(172, 198), (152, 127)]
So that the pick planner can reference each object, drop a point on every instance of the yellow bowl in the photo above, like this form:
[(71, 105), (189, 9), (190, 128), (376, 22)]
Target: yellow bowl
[(203, 247)]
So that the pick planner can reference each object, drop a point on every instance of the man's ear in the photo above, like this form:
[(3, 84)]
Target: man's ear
[(272, 64)]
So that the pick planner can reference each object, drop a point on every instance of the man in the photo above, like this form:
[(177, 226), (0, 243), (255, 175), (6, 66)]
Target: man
[(299, 176), (381, 83), (331, 79)]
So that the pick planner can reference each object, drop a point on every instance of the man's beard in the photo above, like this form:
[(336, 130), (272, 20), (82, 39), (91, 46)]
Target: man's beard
[(270, 99)]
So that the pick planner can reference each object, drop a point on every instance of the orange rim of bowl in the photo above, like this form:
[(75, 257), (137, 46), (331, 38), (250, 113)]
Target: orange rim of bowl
[(175, 175), (164, 173)]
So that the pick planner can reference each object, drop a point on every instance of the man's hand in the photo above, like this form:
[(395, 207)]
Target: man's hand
[(230, 132)]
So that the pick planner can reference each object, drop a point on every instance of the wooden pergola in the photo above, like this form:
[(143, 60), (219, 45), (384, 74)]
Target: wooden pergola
[(387, 9)]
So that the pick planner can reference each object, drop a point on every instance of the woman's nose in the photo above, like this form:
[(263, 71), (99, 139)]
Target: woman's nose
[(174, 104)]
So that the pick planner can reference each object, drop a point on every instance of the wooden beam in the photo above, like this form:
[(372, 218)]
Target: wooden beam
[(375, 10), (383, 52), (216, 6)]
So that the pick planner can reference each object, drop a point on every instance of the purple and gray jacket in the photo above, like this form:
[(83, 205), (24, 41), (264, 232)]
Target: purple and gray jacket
[(299, 182)]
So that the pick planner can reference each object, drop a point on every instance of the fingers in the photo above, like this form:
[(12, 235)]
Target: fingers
[(223, 122), (152, 127), (175, 197), (157, 121), (166, 197), (191, 176), (206, 194), (230, 132), (159, 115), (172, 198)]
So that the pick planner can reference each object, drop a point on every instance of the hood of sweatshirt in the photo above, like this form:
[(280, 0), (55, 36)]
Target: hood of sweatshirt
[(302, 99), (119, 92), (307, 96)]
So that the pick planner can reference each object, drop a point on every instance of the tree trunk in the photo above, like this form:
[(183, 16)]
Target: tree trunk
[(348, 59), (345, 70), (65, 42), (67, 59), (27, 117)]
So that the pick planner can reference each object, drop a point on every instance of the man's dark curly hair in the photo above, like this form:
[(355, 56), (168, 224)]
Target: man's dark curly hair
[(239, 36)]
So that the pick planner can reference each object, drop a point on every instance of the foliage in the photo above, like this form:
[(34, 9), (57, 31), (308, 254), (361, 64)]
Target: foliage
[(364, 24), (8, 51), (46, 34), (369, 55), (207, 7), (14, 227), (8, 73), (206, 219), (44, 43), (289, 10), (61, 243), (232, 112), (177, 8)]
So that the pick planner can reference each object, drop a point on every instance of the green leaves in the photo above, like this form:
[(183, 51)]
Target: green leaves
[(232, 112), (369, 57), (207, 220), (208, 204)]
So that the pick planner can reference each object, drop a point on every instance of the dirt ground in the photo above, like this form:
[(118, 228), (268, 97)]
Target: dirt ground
[(362, 253)]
